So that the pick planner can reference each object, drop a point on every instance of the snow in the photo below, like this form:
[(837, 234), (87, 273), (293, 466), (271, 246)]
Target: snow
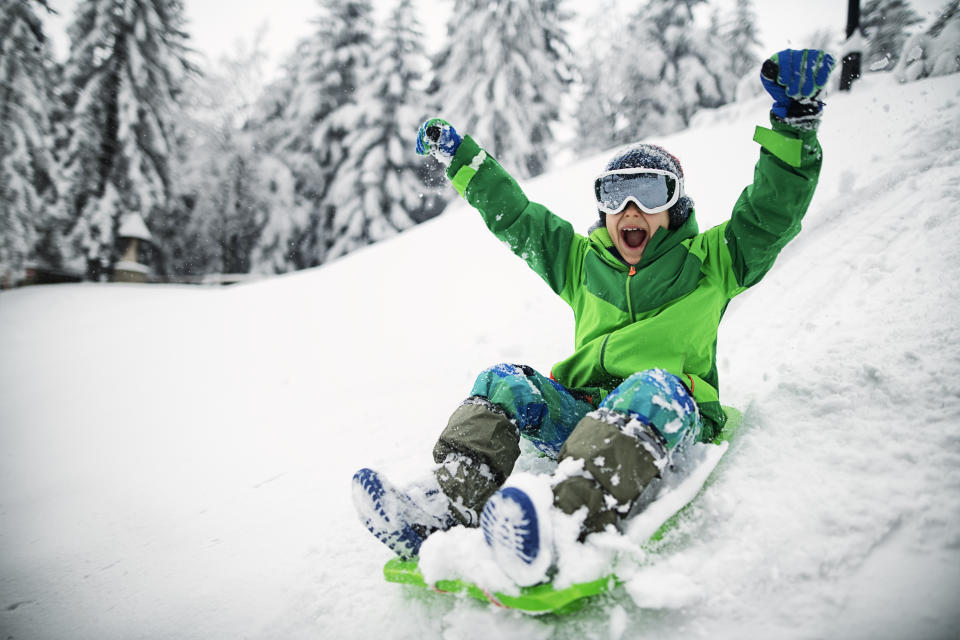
[(133, 226), (176, 461), (928, 55)]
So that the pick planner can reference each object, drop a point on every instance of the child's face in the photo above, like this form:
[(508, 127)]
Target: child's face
[(631, 230)]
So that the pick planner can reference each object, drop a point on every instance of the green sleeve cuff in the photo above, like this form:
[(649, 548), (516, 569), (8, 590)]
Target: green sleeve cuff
[(786, 141), (462, 168), (786, 148)]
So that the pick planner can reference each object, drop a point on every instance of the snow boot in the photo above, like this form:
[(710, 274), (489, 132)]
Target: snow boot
[(402, 520), (517, 527)]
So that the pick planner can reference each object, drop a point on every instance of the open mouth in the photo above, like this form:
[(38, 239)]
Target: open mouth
[(633, 237)]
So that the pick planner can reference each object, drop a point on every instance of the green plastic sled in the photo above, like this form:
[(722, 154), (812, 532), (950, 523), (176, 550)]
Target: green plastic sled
[(542, 598)]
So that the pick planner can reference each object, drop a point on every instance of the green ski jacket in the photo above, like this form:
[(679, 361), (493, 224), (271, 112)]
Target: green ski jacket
[(665, 312)]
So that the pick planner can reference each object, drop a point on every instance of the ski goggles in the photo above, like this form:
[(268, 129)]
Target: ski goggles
[(653, 190)]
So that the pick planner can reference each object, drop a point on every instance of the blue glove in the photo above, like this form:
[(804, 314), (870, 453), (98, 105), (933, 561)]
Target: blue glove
[(438, 138), (795, 78)]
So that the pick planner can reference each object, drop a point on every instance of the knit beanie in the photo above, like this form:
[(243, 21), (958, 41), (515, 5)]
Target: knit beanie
[(651, 156)]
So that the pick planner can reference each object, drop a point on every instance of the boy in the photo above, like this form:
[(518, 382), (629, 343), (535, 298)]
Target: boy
[(648, 292)]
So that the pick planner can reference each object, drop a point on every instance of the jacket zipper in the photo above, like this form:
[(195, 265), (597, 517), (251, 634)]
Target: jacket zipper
[(603, 347)]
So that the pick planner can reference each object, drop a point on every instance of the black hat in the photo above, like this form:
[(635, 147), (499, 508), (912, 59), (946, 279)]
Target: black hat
[(651, 156)]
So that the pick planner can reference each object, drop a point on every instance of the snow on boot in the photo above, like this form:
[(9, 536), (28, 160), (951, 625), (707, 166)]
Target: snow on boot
[(402, 520), (516, 525)]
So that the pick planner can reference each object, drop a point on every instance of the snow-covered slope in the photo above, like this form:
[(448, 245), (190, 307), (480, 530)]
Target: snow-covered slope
[(175, 462)]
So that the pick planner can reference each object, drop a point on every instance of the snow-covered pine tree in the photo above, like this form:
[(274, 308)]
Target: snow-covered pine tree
[(598, 120), (230, 209), (661, 69), (225, 197), (503, 76), (275, 251), (27, 167), (935, 52), (271, 108), (885, 23), (949, 14), (122, 85), (310, 112), (283, 172), (742, 36), (378, 191), (676, 68)]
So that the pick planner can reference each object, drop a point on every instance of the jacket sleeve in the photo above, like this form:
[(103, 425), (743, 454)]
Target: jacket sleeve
[(542, 239), (768, 213)]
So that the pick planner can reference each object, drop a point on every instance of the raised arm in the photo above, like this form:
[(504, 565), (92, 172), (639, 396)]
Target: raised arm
[(541, 238), (768, 213)]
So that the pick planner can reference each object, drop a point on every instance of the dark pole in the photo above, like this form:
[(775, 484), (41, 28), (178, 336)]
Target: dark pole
[(851, 61)]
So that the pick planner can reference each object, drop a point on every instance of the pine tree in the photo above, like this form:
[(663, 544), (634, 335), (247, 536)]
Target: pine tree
[(599, 123), (229, 210), (743, 38), (311, 112), (27, 167), (225, 198), (122, 85), (503, 76), (935, 52), (886, 22), (276, 249), (667, 69), (284, 240), (378, 191), (949, 14), (680, 69)]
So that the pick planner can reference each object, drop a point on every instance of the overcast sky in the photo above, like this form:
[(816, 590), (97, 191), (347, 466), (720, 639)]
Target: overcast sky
[(215, 25)]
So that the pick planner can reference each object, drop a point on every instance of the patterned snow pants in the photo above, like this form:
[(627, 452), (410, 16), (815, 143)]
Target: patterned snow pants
[(624, 438)]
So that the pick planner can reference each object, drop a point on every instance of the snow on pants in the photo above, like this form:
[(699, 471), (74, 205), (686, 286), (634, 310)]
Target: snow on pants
[(624, 442)]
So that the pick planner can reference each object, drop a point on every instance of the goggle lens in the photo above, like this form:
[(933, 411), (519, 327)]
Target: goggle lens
[(654, 192)]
